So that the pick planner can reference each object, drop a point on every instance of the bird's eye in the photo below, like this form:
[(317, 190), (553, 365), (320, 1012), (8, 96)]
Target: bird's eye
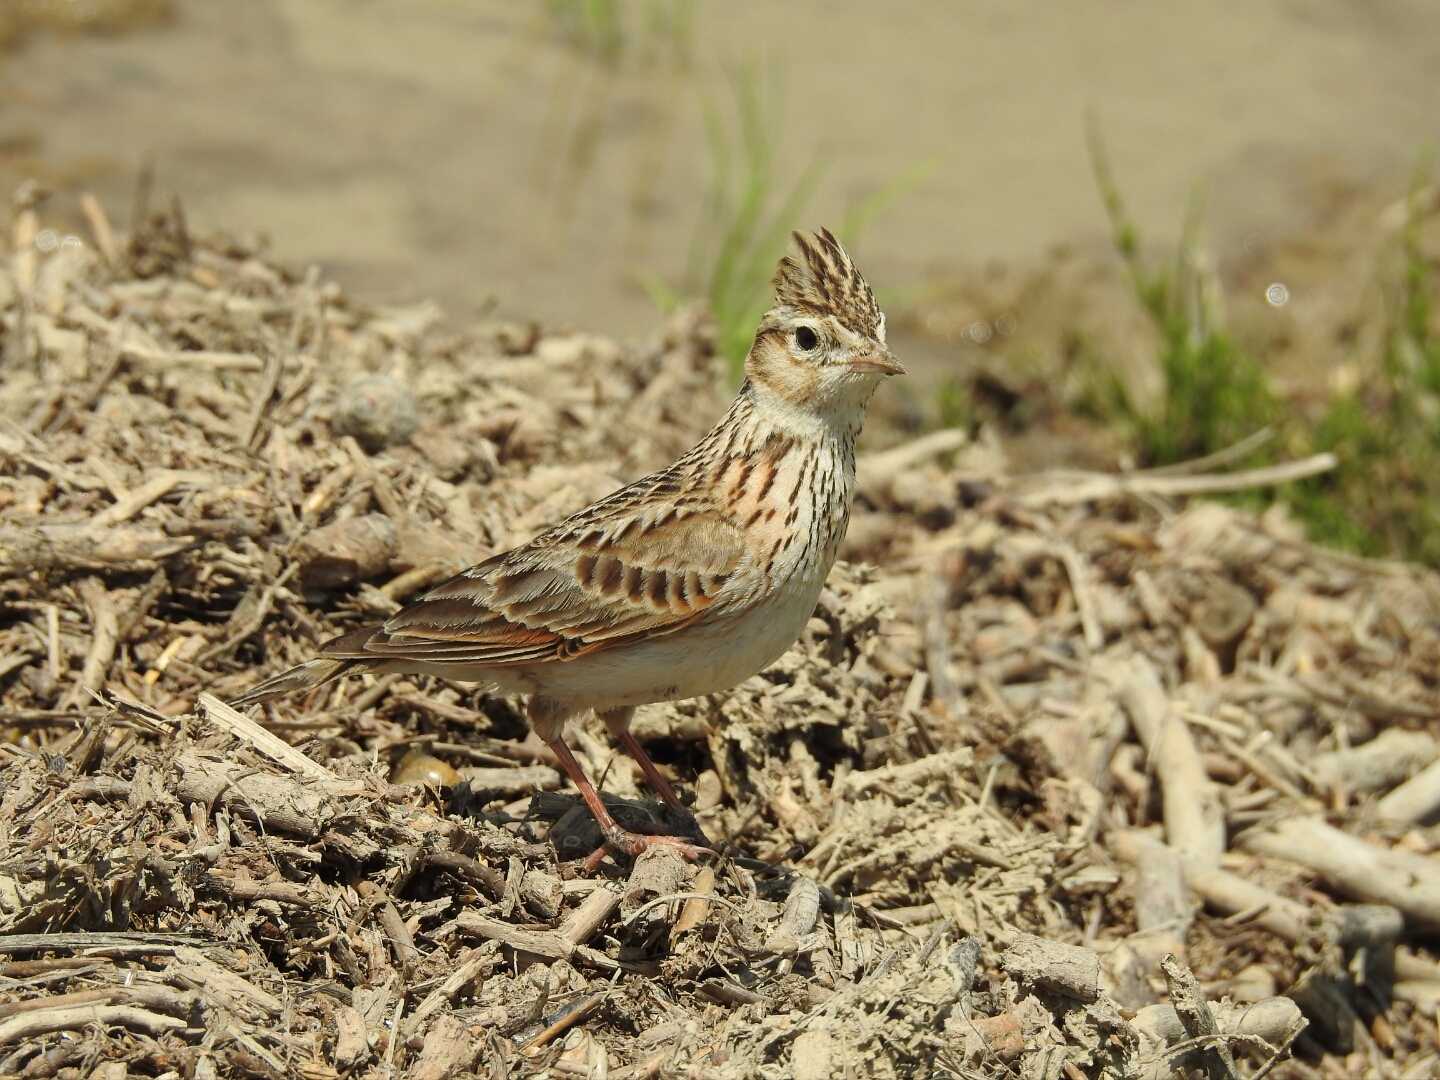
[(805, 338)]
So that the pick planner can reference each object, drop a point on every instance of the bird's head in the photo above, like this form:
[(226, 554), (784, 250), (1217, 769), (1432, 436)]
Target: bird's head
[(821, 347)]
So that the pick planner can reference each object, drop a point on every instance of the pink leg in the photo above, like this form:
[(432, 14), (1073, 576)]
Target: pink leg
[(618, 721), (616, 837), (652, 774)]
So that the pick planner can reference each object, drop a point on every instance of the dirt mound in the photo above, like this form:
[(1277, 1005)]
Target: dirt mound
[(1066, 777)]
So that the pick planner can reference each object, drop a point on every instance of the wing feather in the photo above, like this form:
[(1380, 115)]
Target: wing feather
[(621, 571)]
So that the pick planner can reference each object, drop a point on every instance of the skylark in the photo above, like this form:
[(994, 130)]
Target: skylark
[(685, 582)]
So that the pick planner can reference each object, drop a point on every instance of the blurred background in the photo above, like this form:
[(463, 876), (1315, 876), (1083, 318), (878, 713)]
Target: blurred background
[(1106, 233)]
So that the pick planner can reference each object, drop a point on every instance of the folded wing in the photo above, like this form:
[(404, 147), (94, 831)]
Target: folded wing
[(619, 574)]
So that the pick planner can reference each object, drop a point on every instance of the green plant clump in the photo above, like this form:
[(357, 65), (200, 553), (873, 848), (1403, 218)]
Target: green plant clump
[(1384, 498), (1384, 495), (1215, 393)]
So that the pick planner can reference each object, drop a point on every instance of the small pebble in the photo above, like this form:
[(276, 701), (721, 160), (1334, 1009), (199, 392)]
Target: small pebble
[(709, 792), (377, 410), (420, 768)]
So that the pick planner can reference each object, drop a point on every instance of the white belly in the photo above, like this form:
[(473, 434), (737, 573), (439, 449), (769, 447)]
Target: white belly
[(699, 660)]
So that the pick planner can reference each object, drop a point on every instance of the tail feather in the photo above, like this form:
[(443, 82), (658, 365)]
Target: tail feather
[(304, 676)]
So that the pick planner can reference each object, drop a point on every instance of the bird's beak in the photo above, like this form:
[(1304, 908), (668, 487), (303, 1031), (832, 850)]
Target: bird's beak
[(881, 362)]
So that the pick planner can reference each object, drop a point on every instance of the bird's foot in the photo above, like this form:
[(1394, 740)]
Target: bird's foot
[(632, 844)]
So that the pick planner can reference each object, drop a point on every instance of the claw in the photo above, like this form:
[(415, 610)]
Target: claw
[(632, 844)]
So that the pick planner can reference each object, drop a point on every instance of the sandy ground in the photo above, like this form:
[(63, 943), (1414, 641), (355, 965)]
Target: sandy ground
[(469, 152)]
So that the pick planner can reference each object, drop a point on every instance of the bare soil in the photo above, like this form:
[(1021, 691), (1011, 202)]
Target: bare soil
[(473, 153)]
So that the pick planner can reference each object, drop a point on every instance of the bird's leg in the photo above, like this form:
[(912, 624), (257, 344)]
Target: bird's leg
[(616, 837), (548, 719), (618, 721)]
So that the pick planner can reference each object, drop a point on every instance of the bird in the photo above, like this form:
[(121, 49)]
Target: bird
[(683, 583)]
